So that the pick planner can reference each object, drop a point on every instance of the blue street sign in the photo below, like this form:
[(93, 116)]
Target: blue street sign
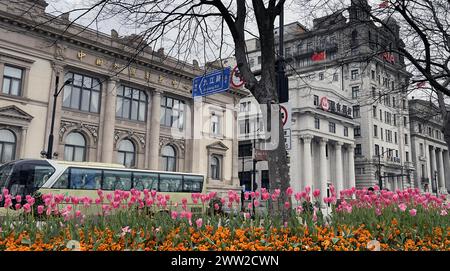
[(214, 82)]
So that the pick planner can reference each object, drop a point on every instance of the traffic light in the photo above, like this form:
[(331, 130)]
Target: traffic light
[(282, 84)]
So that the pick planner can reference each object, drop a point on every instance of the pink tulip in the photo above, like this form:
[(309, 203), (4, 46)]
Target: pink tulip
[(5, 191), (17, 206), (27, 207), (277, 191), (289, 191), (246, 195), (307, 189), (274, 197), (249, 206), (199, 222), (174, 215), (77, 213), (287, 205), (316, 193), (413, 212), (48, 211), (298, 196), (216, 206), (40, 209), (247, 215), (402, 207), (443, 212), (256, 202), (19, 198), (189, 215)]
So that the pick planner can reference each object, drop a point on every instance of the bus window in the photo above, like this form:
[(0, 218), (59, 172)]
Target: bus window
[(170, 183), (30, 176), (5, 174), (63, 181), (116, 180), (192, 184), (82, 178), (143, 181)]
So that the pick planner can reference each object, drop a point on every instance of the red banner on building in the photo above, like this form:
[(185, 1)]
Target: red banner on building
[(318, 56)]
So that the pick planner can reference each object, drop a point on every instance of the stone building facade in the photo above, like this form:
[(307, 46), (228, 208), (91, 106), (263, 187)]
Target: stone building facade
[(429, 151), (120, 107), (362, 135)]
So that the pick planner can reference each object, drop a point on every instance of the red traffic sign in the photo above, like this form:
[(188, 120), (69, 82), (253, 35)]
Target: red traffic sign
[(284, 114), (236, 78), (324, 103)]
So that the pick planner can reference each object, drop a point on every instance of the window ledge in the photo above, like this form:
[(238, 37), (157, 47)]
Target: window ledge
[(20, 99)]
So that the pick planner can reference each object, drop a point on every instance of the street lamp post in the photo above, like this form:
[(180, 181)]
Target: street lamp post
[(49, 153)]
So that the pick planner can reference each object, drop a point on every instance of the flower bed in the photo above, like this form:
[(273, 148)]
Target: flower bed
[(401, 220)]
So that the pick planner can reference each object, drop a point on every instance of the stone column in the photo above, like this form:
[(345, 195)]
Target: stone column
[(447, 168), (155, 121), (433, 167), (339, 175), (307, 164), (323, 170), (23, 143), (148, 131), (58, 70), (235, 160), (441, 172), (109, 120), (294, 164), (351, 165)]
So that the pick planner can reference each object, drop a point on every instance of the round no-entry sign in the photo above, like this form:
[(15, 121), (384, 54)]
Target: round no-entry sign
[(324, 103), (284, 114), (236, 79)]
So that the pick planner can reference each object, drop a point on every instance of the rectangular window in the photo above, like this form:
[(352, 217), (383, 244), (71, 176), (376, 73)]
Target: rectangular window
[(345, 131), (381, 133), (259, 59), (404, 104), (317, 123), (116, 180), (354, 74), (420, 128), (381, 115), (172, 112), (395, 120), (142, 180), (245, 150), (406, 139), (335, 77), (357, 131), (395, 138), (170, 183), (332, 127), (377, 149), (81, 178), (374, 111), (12, 80), (407, 156), (358, 149), (244, 126), (405, 121), (316, 100), (215, 125), (321, 76), (430, 132), (84, 94), (373, 74), (356, 111), (421, 149), (332, 106), (355, 92), (374, 93), (393, 101), (131, 104), (375, 131)]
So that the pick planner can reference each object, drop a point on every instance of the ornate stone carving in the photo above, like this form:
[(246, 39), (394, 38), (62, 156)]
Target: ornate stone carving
[(60, 51), (70, 125), (118, 133), (178, 143)]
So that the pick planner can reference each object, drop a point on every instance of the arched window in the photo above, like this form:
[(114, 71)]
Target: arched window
[(126, 153), (75, 147), (169, 158), (7, 146), (215, 167)]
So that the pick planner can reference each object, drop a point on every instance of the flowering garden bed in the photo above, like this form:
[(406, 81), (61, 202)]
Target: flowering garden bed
[(129, 220)]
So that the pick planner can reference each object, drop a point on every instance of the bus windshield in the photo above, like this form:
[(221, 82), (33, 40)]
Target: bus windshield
[(28, 176), (5, 174)]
